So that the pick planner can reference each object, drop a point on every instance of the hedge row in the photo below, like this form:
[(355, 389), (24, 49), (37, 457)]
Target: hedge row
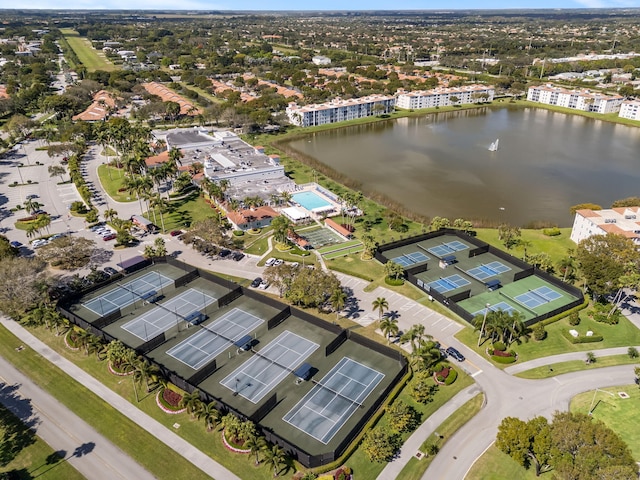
[(566, 313), (582, 338)]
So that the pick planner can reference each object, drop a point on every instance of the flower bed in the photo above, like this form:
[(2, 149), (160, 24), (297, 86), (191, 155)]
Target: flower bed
[(168, 401), (230, 447), (70, 342), (500, 356), (446, 376), (116, 370)]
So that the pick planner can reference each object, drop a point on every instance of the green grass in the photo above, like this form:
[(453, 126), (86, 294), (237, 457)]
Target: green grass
[(495, 465), (556, 247), (621, 335), (360, 463), (160, 460), (576, 365), (333, 248), (27, 455), (257, 244), (343, 253), (414, 470), (112, 179), (85, 52), (619, 414), (183, 212)]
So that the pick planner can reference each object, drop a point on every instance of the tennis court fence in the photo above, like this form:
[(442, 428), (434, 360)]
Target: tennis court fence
[(278, 318), (204, 373), (184, 279), (336, 342), (108, 319), (227, 298), (155, 342)]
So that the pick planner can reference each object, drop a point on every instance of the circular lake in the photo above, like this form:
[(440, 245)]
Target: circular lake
[(440, 165)]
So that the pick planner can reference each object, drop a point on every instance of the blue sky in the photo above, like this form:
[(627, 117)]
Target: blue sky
[(324, 5)]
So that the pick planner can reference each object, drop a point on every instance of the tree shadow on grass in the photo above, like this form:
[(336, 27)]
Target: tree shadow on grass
[(17, 423)]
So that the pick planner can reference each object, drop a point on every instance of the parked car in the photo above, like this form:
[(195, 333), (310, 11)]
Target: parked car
[(40, 212), (455, 354), (224, 253), (256, 282), (97, 227), (270, 262), (110, 270), (237, 256), (32, 195), (175, 233), (278, 262), (38, 243), (111, 236), (263, 285), (16, 244)]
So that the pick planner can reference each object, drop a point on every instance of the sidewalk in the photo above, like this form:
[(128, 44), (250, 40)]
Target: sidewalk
[(182, 447), (564, 357), (417, 438)]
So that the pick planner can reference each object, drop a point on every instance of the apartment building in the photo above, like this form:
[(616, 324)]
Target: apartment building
[(623, 221), (339, 110), (630, 109), (578, 99), (442, 96)]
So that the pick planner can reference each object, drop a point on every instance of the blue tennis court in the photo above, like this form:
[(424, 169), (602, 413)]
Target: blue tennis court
[(484, 271), (331, 402), (539, 296), (447, 284), (127, 293), (164, 316), (256, 377), (213, 339), (409, 259), (505, 307), (447, 248)]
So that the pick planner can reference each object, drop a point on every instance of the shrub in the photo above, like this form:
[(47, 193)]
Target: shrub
[(632, 352), (501, 347), (396, 282), (453, 375), (238, 233), (539, 332), (551, 232), (582, 338), (508, 359), (574, 319)]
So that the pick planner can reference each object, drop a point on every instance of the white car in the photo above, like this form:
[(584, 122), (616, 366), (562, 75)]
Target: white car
[(278, 262), (263, 285), (39, 243), (270, 262)]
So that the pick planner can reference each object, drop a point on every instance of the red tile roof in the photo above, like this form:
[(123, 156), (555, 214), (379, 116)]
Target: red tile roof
[(337, 227)]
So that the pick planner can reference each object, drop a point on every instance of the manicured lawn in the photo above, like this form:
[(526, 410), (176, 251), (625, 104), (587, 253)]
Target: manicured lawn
[(359, 461), (183, 212), (619, 414), (576, 365), (621, 335), (257, 244), (155, 456), (416, 468), (23, 452), (160, 460), (370, 270), (291, 256), (112, 180), (556, 247), (495, 465), (85, 52)]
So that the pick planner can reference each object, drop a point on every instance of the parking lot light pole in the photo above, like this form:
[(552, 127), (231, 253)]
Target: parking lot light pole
[(484, 321)]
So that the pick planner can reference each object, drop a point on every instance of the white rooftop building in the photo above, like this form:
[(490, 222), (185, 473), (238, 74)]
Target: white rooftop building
[(321, 60), (441, 97), (585, 100), (623, 221), (339, 110), (630, 109)]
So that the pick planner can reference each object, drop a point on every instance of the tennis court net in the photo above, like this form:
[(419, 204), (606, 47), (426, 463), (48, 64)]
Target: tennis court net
[(518, 303), (338, 394)]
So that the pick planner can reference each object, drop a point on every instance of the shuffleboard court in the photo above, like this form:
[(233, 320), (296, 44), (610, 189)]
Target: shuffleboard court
[(170, 313), (213, 339), (332, 401), (256, 377), (127, 293)]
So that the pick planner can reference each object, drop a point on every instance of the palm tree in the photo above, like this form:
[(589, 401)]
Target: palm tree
[(162, 204), (426, 354), (389, 326), (381, 305), (192, 402), (231, 425), (338, 299), (210, 415), (175, 155), (144, 372), (109, 214), (31, 205), (274, 457), (285, 197), (256, 444), (415, 335)]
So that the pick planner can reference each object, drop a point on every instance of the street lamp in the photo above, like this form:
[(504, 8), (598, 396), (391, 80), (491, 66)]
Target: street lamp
[(484, 321)]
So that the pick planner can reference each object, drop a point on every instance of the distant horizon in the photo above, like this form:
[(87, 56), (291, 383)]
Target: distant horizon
[(327, 5)]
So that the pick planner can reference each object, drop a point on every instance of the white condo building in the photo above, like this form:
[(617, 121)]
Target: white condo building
[(441, 97), (630, 109), (623, 221), (584, 100), (339, 110)]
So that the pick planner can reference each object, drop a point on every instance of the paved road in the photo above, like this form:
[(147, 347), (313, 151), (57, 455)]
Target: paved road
[(155, 428), (89, 452)]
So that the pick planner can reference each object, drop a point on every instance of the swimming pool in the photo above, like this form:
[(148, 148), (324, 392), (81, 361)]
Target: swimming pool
[(310, 200)]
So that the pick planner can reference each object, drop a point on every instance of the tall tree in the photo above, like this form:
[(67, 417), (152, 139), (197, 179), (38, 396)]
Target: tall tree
[(528, 443), (381, 305), (389, 326)]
